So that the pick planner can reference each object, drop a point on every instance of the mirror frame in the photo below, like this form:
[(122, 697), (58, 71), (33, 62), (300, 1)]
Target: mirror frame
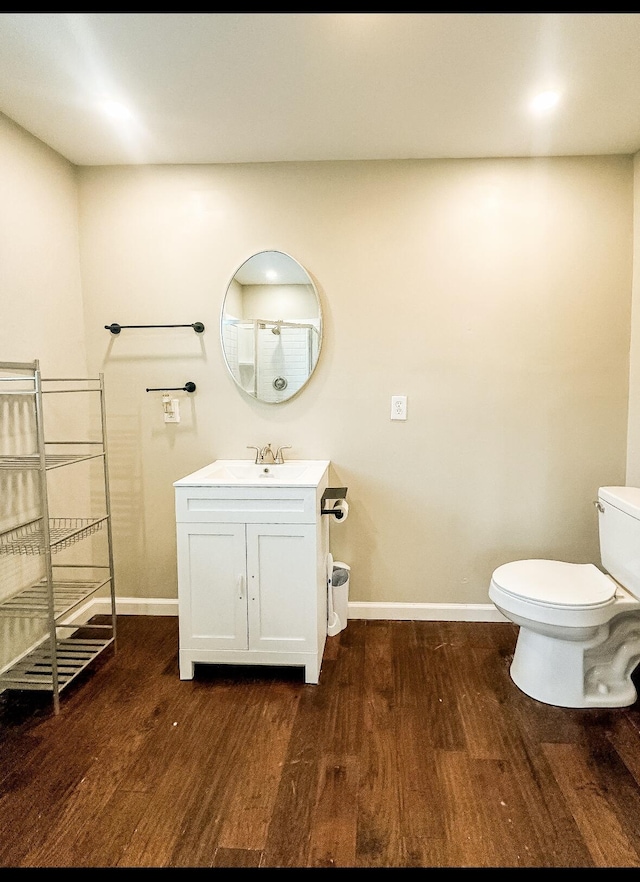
[(279, 383)]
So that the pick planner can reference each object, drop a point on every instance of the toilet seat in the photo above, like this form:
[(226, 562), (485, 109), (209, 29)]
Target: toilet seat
[(556, 584)]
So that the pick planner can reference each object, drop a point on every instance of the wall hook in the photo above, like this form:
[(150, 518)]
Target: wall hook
[(115, 328), (188, 387)]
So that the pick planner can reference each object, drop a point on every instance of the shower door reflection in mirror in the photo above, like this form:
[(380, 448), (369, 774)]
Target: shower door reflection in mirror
[(271, 326)]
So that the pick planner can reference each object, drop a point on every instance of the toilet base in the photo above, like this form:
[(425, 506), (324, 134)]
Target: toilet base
[(569, 673)]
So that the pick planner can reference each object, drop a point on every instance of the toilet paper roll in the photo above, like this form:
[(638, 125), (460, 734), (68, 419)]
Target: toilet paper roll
[(340, 510)]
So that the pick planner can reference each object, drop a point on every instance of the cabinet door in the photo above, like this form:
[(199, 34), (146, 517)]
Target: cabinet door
[(281, 583), (212, 595)]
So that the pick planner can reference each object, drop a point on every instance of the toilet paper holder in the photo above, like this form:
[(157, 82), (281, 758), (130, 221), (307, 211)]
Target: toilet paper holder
[(332, 493)]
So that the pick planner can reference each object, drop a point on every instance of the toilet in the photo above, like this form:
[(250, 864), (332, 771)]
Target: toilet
[(579, 637)]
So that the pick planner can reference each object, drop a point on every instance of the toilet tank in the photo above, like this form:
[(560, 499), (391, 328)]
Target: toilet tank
[(619, 529)]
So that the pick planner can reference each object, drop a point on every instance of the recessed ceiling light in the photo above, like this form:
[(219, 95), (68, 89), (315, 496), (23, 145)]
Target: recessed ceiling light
[(545, 100)]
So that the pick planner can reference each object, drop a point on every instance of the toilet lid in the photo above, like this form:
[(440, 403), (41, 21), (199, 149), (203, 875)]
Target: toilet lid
[(556, 583)]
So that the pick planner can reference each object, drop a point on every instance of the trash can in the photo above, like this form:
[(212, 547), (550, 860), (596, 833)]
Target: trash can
[(338, 597)]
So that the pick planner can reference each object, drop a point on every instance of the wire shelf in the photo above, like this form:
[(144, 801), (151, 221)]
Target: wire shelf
[(34, 600), (63, 532), (52, 460), (35, 671)]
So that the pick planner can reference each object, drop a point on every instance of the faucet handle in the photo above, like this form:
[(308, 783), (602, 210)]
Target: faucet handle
[(257, 450), (279, 458)]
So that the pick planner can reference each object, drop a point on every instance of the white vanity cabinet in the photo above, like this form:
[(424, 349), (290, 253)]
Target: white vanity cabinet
[(252, 568)]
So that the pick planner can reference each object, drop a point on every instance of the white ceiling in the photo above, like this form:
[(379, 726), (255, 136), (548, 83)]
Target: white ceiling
[(273, 87)]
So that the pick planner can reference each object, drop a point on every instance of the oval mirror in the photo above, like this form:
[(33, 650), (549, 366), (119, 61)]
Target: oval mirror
[(271, 326)]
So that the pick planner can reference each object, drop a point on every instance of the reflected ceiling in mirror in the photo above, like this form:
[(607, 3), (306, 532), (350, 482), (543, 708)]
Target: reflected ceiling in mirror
[(271, 327)]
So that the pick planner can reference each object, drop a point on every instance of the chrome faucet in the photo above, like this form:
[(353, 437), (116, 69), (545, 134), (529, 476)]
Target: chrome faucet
[(263, 452)]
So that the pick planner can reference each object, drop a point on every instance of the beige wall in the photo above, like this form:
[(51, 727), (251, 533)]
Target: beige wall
[(40, 318), (633, 441), (495, 294), (40, 291)]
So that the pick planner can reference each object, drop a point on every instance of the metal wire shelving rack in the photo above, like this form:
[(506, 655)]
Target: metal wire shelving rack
[(63, 650)]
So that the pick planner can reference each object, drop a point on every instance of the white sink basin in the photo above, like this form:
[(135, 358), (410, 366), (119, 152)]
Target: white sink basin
[(250, 471), (236, 472)]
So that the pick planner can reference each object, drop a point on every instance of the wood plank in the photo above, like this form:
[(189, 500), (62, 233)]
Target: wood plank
[(251, 796), (588, 797), (334, 830), (236, 858), (289, 834), (624, 736), (379, 803)]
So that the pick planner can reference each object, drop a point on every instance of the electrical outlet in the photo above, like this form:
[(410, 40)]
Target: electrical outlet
[(398, 407)]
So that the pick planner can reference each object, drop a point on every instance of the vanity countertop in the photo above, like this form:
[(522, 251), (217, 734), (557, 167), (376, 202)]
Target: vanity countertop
[(247, 473)]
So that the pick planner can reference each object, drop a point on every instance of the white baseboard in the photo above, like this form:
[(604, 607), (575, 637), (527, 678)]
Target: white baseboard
[(422, 612), (426, 612), (136, 606)]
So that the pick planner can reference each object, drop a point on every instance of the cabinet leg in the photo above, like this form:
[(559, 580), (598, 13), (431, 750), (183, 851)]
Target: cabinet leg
[(186, 668), (312, 673)]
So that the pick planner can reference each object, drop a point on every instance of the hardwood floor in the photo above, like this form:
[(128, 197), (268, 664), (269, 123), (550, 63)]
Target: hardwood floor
[(414, 750)]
